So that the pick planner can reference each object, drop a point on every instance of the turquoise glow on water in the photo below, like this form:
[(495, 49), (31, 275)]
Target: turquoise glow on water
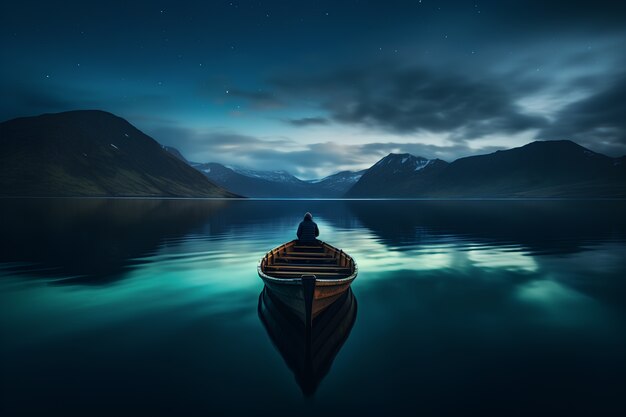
[(151, 305)]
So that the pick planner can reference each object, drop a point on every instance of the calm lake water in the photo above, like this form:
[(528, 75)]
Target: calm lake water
[(128, 307)]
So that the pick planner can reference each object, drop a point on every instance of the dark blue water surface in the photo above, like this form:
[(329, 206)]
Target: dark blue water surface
[(151, 307)]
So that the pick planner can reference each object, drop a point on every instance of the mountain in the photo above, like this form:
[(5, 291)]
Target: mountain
[(338, 184), (91, 153), (272, 176), (539, 169), (253, 183), (175, 152), (276, 184), (397, 175)]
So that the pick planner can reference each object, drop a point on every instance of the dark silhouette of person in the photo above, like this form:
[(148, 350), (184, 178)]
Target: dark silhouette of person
[(307, 230)]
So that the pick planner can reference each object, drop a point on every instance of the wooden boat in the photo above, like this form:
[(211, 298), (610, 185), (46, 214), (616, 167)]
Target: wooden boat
[(308, 351), (307, 277)]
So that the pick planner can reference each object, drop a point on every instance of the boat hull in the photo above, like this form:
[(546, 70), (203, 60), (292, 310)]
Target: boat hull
[(292, 294), (307, 278)]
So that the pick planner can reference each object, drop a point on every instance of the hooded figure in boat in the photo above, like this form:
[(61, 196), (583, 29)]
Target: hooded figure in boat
[(307, 230)]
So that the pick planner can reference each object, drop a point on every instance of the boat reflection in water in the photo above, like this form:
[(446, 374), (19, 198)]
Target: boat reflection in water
[(308, 350)]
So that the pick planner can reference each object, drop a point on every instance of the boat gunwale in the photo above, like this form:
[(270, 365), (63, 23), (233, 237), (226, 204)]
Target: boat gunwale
[(320, 281)]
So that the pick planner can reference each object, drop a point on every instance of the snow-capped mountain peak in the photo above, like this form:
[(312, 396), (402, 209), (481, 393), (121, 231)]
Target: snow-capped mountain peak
[(274, 176), (403, 162)]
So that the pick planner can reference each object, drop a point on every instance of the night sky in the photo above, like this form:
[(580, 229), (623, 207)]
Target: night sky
[(314, 87)]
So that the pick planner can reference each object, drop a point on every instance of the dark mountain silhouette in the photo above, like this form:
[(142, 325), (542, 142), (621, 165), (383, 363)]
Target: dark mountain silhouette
[(397, 175), (539, 169), (252, 183), (91, 153), (176, 153)]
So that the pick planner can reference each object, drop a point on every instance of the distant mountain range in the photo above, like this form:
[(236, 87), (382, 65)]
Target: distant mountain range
[(251, 183), (91, 153), (94, 153), (539, 169)]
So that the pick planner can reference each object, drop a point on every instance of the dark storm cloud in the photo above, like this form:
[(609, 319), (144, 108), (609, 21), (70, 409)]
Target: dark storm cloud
[(308, 121), (598, 121), (451, 71), (409, 100)]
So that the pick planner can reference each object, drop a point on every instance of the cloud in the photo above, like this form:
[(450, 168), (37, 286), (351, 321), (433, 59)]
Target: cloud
[(308, 121), (524, 16), (409, 100), (192, 142), (596, 121), (259, 99), (578, 93), (252, 152), (314, 160)]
